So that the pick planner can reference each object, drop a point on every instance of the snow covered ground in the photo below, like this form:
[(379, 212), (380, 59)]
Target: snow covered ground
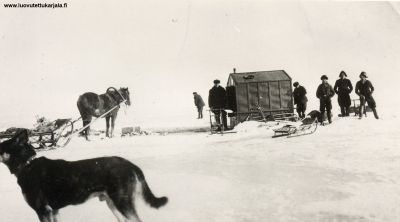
[(346, 171), (163, 51)]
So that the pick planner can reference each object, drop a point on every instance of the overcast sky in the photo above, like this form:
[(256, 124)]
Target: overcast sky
[(165, 50)]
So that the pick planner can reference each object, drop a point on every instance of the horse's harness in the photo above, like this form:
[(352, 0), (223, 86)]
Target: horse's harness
[(113, 95), (110, 95)]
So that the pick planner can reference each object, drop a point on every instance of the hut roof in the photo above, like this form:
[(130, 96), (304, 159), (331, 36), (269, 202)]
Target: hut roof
[(262, 76)]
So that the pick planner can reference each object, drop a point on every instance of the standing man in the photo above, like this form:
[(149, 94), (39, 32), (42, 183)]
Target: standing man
[(343, 88), (217, 102), (199, 103), (365, 89), (300, 99), (324, 94)]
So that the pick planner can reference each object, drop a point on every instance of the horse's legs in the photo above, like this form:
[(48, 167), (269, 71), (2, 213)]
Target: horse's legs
[(113, 117), (107, 125), (86, 121)]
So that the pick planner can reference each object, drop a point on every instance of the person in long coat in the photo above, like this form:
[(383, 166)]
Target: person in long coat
[(300, 99), (343, 88), (324, 93), (217, 102), (364, 89), (199, 103)]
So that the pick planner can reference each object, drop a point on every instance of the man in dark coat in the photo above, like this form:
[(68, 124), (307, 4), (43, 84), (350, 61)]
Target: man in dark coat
[(199, 103), (343, 88), (324, 94), (300, 99), (364, 89), (217, 103)]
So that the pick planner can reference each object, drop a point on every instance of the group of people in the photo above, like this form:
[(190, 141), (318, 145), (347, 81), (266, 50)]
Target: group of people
[(343, 87)]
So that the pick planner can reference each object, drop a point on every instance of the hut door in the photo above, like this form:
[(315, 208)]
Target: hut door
[(263, 95), (274, 91), (253, 96), (241, 98), (286, 94)]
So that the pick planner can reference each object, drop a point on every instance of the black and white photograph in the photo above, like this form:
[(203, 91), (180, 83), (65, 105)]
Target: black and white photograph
[(184, 110)]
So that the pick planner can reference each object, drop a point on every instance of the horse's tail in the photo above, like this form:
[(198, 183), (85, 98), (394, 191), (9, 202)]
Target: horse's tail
[(81, 105), (87, 104)]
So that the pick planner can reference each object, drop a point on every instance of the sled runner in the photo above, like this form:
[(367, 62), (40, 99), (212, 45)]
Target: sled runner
[(218, 128), (308, 126), (286, 130), (355, 108)]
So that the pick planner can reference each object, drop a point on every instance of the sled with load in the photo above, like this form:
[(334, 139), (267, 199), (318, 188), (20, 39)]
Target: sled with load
[(306, 126), (46, 133)]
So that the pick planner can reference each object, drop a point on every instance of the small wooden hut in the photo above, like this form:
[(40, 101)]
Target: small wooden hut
[(251, 92)]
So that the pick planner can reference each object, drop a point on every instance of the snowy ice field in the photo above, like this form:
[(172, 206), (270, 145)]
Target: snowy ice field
[(163, 51), (346, 171)]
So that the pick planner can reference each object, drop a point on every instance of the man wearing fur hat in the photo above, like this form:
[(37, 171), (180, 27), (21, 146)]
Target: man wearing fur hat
[(217, 102), (324, 93), (364, 89), (343, 88), (300, 99)]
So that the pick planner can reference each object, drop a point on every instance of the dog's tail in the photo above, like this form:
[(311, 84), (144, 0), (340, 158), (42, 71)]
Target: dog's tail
[(148, 196)]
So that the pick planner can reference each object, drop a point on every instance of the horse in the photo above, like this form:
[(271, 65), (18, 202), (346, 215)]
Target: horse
[(91, 104)]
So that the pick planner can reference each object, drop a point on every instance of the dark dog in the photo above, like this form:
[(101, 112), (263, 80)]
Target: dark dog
[(314, 114), (49, 185), (317, 114)]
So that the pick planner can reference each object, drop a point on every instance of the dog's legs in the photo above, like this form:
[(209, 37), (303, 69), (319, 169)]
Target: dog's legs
[(115, 211), (55, 215), (45, 218), (128, 210), (123, 207), (132, 215), (134, 218), (46, 214), (127, 207)]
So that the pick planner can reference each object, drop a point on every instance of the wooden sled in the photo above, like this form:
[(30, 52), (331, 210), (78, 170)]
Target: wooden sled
[(308, 126), (218, 128), (51, 135), (355, 108)]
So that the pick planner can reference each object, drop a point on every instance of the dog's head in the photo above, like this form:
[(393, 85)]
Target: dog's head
[(16, 150), (314, 114)]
